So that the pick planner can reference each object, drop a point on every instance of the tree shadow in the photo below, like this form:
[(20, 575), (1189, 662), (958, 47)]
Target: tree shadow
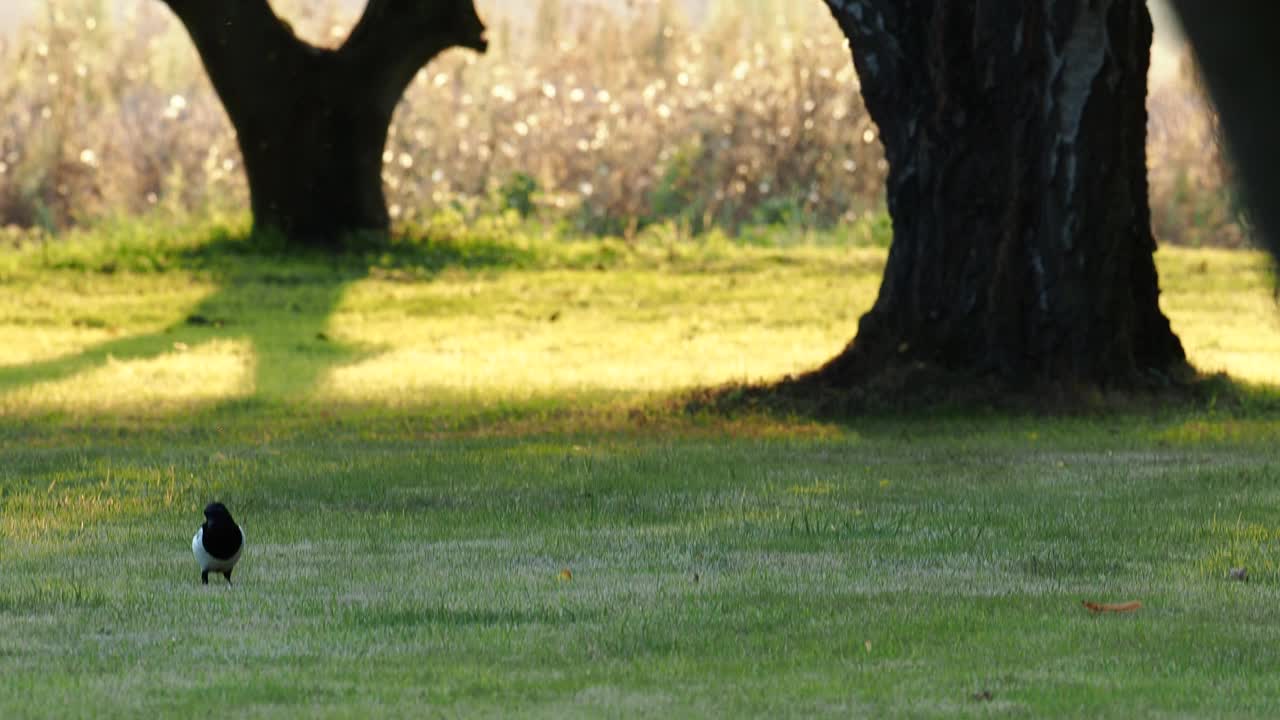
[(279, 300), (917, 392), (280, 307)]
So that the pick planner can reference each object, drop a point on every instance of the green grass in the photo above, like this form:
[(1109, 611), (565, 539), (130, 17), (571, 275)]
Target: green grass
[(419, 440)]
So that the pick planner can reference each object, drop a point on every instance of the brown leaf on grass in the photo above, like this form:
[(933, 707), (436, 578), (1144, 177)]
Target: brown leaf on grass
[(1094, 607), (566, 575)]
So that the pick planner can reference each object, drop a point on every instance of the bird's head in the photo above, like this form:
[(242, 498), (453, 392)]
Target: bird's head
[(217, 512)]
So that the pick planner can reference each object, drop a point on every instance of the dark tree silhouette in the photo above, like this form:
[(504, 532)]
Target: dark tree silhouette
[(312, 122), (1016, 141), (1238, 53)]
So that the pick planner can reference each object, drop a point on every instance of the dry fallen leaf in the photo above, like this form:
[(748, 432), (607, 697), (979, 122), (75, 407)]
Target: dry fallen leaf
[(566, 574), (1111, 607)]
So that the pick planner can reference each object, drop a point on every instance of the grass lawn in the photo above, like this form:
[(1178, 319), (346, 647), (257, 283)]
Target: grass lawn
[(467, 493)]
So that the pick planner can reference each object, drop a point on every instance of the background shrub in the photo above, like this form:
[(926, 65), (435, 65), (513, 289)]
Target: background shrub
[(600, 121)]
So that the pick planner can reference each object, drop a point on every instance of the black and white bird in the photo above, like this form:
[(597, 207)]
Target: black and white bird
[(217, 543)]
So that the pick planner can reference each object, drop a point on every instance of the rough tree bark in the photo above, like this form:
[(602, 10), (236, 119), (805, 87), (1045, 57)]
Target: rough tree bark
[(1015, 135), (312, 122)]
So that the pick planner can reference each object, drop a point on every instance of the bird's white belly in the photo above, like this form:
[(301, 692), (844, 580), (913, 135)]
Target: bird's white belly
[(209, 563)]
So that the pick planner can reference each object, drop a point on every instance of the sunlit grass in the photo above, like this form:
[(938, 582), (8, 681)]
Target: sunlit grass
[(177, 380), (155, 343), (629, 325), (1223, 305), (635, 329)]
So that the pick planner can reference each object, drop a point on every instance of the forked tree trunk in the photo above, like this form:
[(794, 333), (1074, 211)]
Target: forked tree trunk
[(312, 122), (1016, 141)]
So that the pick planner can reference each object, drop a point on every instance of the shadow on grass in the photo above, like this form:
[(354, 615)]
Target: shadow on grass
[(925, 392), (276, 298)]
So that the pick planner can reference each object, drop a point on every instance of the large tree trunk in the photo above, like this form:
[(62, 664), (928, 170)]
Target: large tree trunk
[(1015, 135), (312, 122), (1238, 53)]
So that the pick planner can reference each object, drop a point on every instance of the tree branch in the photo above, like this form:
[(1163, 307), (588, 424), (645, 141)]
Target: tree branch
[(243, 45), (396, 38)]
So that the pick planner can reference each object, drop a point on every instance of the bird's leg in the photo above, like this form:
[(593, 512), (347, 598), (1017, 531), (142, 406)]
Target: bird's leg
[(204, 577), (227, 575)]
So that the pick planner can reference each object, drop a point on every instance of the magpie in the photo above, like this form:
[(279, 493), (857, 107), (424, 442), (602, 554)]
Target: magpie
[(217, 543)]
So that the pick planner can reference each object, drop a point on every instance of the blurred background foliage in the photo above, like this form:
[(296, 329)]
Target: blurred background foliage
[(605, 117)]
